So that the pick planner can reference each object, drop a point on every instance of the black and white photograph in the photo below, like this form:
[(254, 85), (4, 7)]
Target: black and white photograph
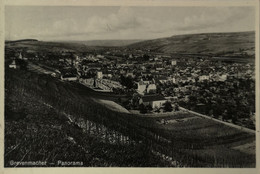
[(130, 86)]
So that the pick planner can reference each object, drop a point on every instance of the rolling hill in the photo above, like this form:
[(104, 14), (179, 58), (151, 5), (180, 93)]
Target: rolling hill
[(106, 43), (239, 44), (48, 46), (205, 43)]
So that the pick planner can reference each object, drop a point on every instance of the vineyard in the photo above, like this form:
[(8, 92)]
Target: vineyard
[(46, 119)]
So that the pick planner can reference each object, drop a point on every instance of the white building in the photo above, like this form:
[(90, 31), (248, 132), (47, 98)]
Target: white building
[(223, 77), (203, 77), (173, 62), (13, 65), (99, 75), (156, 101), (151, 88), (141, 88), (20, 56), (69, 78)]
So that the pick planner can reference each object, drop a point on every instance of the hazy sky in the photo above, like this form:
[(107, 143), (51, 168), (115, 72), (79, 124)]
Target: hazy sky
[(100, 23)]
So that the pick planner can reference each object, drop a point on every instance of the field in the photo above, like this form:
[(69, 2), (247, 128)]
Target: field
[(208, 139), (81, 129)]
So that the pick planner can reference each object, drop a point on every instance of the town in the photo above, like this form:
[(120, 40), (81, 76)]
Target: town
[(222, 88)]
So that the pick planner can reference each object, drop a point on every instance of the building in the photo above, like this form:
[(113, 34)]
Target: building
[(151, 88), (155, 101), (20, 56), (171, 79), (130, 74), (13, 65), (69, 78), (203, 77), (223, 77), (99, 74), (162, 79), (173, 62), (141, 87)]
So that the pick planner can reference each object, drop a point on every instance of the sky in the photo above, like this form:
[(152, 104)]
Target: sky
[(50, 23)]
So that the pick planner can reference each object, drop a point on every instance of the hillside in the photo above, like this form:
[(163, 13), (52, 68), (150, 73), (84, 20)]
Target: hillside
[(106, 43), (23, 40), (81, 129), (206, 43), (37, 129), (240, 44), (47, 46), (32, 45)]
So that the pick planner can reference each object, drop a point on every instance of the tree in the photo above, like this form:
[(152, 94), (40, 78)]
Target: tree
[(146, 57), (224, 115), (210, 112), (177, 107), (234, 119), (193, 99), (119, 100), (127, 81), (149, 108), (168, 107), (23, 64), (142, 108)]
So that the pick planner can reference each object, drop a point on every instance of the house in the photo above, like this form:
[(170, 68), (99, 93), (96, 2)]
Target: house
[(141, 87), (13, 65), (171, 79), (173, 62), (68, 78), (99, 75), (153, 100), (100, 56), (107, 75), (162, 79), (88, 82), (151, 88), (130, 74), (203, 77), (223, 77)]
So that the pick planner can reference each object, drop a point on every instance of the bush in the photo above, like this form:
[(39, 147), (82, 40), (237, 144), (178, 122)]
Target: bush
[(168, 107), (142, 108)]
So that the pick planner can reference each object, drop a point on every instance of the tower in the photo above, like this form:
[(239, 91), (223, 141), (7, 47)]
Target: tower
[(20, 56)]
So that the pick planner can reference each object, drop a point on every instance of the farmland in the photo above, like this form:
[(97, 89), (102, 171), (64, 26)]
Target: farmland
[(81, 129)]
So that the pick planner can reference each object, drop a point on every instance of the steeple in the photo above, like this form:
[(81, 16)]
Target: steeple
[(20, 56)]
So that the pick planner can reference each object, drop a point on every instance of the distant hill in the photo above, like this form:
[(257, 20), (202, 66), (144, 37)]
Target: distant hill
[(46, 46), (22, 40), (77, 46), (239, 44), (206, 43), (105, 43)]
